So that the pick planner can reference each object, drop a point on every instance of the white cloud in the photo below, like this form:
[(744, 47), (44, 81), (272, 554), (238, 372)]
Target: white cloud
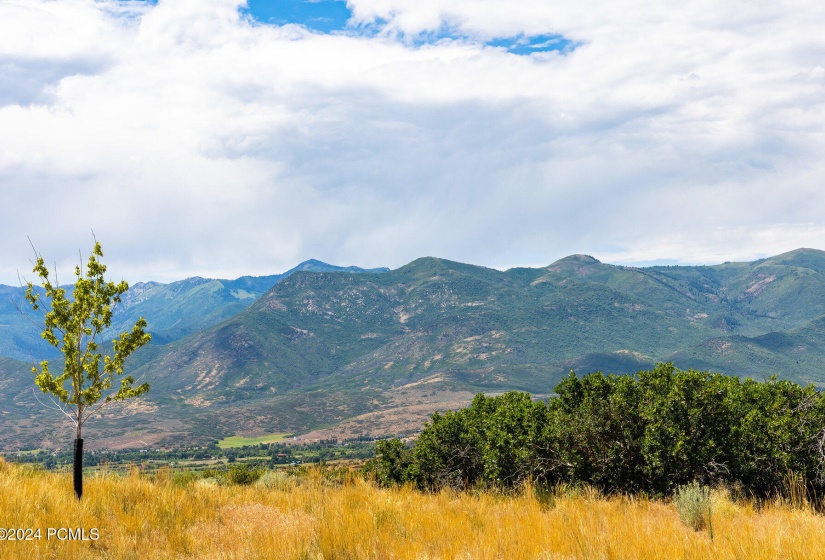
[(196, 142)]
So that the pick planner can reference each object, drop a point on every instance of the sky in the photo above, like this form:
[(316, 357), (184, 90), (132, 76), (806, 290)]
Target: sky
[(218, 138)]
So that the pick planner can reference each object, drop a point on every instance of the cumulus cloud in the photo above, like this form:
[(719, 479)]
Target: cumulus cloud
[(194, 140)]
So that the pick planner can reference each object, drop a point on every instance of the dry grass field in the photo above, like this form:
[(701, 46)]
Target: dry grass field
[(317, 516)]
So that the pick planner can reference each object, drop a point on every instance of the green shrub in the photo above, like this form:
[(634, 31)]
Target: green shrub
[(212, 473), (545, 496), (389, 466), (646, 433), (242, 474), (184, 478)]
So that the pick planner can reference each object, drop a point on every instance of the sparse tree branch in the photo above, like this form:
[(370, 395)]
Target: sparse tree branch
[(55, 406)]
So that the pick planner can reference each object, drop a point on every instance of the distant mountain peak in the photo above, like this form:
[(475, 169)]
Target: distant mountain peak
[(314, 265), (574, 262), (582, 259), (311, 263), (435, 265)]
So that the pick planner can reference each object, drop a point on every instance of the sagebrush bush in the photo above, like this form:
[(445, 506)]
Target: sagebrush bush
[(210, 482), (278, 480), (693, 504)]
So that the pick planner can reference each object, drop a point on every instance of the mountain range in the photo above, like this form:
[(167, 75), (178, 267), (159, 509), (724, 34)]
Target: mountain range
[(173, 310), (335, 353)]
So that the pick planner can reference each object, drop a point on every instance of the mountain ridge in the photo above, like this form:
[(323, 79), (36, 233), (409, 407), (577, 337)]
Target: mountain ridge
[(173, 309), (374, 352)]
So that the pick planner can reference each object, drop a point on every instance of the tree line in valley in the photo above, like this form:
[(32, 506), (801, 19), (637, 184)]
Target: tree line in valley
[(650, 432), (263, 455)]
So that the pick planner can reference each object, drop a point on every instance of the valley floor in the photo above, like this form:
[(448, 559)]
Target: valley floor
[(327, 514)]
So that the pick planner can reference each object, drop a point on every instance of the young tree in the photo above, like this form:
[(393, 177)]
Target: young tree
[(73, 324)]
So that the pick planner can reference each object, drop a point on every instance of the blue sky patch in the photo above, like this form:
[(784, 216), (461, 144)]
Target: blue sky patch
[(329, 16), (319, 15), (525, 45)]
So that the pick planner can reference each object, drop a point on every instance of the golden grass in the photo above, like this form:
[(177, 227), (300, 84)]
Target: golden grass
[(312, 518)]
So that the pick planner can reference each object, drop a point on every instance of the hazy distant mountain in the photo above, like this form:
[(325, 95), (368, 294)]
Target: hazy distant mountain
[(371, 352), (171, 310)]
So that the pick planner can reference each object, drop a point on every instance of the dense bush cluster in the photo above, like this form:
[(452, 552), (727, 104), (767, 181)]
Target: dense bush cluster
[(651, 432)]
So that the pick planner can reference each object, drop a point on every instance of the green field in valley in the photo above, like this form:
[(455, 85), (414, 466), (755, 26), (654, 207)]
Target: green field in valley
[(238, 441)]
